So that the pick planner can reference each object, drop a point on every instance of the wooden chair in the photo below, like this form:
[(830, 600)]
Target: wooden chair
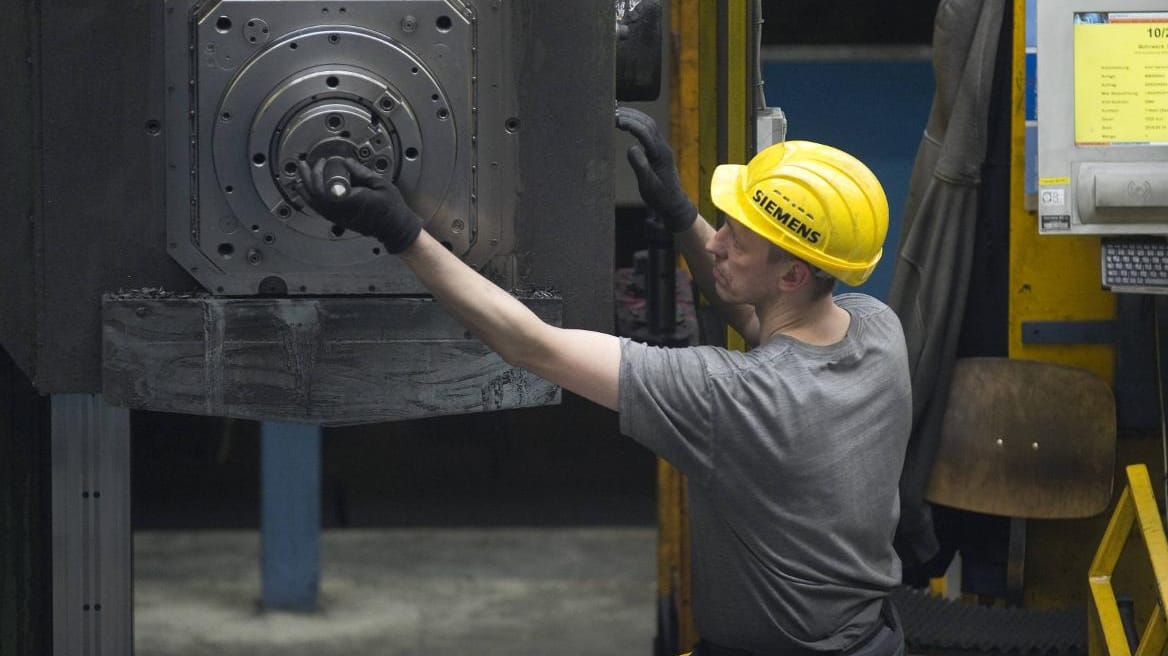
[(1025, 439)]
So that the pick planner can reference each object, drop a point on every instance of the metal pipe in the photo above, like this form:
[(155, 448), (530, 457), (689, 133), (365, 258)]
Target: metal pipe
[(661, 279), (760, 102)]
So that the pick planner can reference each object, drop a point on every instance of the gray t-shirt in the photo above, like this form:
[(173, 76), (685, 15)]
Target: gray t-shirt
[(793, 454)]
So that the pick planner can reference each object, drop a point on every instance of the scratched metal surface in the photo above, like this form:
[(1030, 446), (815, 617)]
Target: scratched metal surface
[(324, 361)]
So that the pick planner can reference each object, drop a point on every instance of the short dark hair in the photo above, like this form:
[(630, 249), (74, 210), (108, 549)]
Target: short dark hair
[(822, 282)]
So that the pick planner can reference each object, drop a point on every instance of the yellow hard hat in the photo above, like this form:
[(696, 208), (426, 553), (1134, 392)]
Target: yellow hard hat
[(816, 202)]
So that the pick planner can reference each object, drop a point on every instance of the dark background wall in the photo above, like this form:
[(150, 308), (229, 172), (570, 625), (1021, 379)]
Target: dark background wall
[(543, 467), (25, 503), (833, 22)]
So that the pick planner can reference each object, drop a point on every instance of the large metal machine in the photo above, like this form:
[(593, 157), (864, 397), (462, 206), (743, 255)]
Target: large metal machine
[(159, 249)]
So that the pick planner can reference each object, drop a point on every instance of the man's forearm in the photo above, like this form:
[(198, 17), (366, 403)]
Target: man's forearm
[(493, 315), (692, 244), (582, 361)]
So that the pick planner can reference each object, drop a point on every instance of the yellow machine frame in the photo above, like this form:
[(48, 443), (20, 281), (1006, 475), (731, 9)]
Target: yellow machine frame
[(710, 113)]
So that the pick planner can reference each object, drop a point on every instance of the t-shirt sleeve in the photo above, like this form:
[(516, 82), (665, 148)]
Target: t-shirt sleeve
[(665, 403)]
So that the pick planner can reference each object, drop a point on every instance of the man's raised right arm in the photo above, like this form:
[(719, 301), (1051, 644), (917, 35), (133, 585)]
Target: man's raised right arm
[(660, 188)]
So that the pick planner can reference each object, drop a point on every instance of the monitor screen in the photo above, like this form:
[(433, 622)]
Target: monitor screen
[(1121, 78)]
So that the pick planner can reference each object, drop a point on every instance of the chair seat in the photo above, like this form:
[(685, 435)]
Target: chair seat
[(1025, 439)]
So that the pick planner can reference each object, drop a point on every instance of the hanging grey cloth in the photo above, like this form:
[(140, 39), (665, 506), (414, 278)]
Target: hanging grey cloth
[(932, 268)]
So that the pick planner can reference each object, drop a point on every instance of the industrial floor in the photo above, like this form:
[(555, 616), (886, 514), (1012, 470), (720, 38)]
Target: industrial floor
[(523, 532), (404, 591)]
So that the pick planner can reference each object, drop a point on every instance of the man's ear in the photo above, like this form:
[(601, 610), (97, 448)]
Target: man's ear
[(797, 275)]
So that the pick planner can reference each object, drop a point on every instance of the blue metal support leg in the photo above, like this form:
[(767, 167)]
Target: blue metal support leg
[(290, 515)]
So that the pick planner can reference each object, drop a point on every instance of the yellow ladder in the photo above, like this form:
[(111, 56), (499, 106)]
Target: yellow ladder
[(1105, 632)]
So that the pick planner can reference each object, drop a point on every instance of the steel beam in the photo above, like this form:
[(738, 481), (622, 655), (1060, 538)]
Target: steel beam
[(92, 572)]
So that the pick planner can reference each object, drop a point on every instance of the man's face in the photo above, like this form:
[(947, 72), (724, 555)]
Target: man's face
[(743, 272)]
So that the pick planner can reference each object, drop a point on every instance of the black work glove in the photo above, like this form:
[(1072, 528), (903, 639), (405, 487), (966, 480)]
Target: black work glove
[(657, 178), (372, 206)]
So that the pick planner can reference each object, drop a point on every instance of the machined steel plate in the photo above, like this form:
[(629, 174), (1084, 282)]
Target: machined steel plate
[(417, 90)]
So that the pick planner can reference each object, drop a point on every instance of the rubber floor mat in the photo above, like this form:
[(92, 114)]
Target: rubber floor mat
[(933, 625)]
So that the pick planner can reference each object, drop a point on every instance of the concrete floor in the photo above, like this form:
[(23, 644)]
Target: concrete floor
[(398, 592)]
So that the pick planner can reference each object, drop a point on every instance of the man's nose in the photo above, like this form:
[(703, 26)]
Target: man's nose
[(714, 243)]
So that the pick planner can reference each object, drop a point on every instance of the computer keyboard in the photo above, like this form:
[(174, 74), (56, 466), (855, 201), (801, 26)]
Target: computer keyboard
[(1135, 265)]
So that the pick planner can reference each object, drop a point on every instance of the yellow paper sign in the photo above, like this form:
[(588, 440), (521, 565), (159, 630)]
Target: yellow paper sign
[(1121, 78)]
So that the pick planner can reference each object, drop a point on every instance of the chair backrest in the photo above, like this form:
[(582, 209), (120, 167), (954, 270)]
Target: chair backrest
[(1025, 439)]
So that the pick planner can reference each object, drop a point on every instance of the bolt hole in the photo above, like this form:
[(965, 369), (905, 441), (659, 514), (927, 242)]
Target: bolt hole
[(226, 250), (251, 39), (434, 97), (290, 167), (386, 104), (269, 239), (334, 122), (258, 159), (293, 45), (381, 163), (443, 23), (324, 10), (414, 70), (346, 134), (223, 24), (153, 127), (343, 10), (411, 153), (512, 125), (332, 81), (225, 116), (377, 251), (333, 38), (251, 23), (443, 113), (229, 189), (337, 230), (255, 228), (284, 212)]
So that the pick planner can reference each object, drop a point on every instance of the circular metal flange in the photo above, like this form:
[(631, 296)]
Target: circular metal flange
[(280, 109), (326, 129)]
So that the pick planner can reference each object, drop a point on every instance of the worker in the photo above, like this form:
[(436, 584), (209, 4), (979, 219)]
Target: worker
[(793, 449)]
